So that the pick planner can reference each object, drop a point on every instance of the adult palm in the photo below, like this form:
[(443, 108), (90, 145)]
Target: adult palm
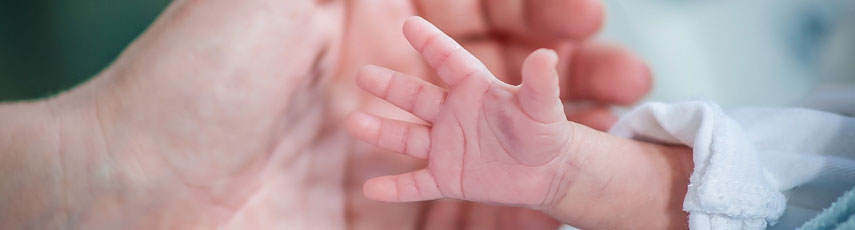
[(226, 113)]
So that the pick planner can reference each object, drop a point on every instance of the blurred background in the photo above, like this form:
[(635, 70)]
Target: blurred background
[(743, 53), (50, 46), (737, 53)]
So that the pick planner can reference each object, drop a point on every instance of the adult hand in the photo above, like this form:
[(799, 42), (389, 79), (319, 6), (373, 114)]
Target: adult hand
[(226, 113), (217, 116)]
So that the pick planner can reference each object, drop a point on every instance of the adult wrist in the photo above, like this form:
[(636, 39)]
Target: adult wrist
[(56, 171), (31, 177)]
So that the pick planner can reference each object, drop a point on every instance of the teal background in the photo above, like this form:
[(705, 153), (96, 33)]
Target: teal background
[(50, 46)]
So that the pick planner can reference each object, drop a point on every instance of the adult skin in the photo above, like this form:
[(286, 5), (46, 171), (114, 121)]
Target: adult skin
[(227, 114)]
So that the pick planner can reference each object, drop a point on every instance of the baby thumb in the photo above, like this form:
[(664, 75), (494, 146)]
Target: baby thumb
[(539, 92)]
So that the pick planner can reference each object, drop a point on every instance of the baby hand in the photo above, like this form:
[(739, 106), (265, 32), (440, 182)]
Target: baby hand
[(485, 140)]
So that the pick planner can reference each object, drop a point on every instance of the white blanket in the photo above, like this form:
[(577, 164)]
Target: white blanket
[(755, 167)]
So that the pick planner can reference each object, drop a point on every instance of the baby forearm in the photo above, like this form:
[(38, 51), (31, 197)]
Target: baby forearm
[(624, 184)]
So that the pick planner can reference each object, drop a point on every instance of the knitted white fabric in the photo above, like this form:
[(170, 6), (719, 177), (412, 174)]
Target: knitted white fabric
[(745, 161)]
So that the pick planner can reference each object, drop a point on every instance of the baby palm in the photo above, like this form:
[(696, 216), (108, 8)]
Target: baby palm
[(486, 141)]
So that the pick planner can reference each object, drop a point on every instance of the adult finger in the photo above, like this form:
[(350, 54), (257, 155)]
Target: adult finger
[(605, 74), (596, 116), (541, 20)]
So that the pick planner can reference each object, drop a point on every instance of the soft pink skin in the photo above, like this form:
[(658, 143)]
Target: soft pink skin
[(485, 140), (227, 114), (490, 142)]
